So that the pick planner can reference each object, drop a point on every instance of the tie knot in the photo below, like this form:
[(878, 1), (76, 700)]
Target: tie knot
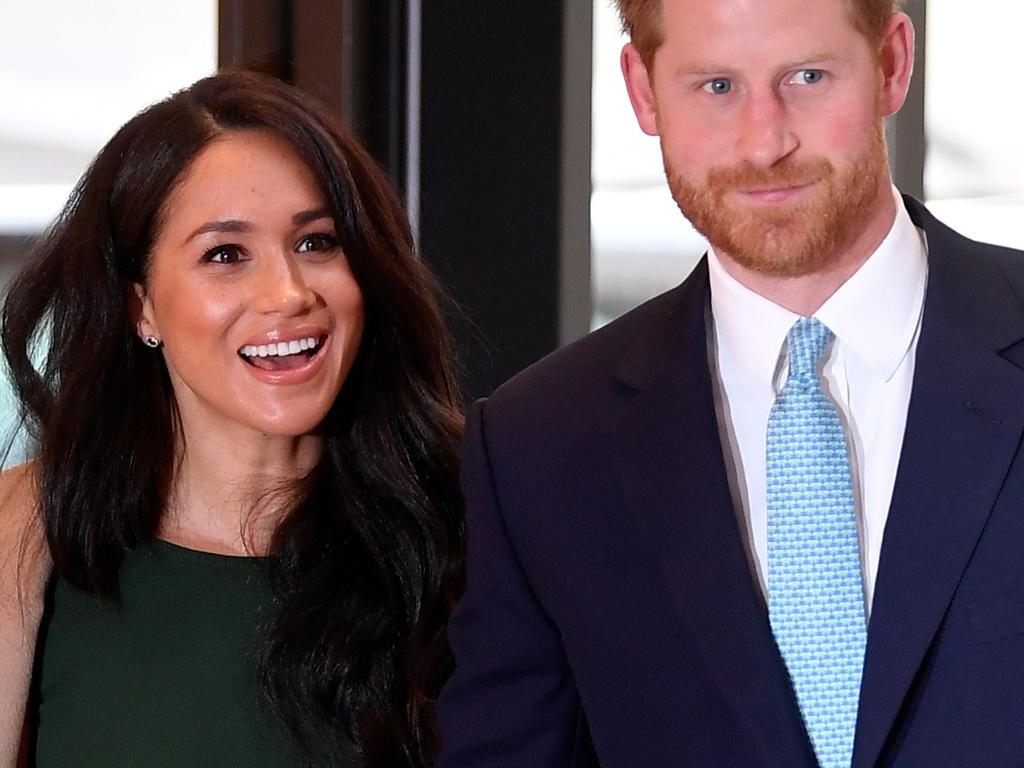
[(807, 340)]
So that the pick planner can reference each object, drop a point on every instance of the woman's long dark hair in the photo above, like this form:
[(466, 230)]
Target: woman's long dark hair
[(366, 565)]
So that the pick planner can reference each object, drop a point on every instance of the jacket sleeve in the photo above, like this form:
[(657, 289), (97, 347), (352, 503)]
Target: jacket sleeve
[(512, 700)]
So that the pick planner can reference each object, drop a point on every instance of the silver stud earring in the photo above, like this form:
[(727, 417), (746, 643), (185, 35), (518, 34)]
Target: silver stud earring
[(151, 341)]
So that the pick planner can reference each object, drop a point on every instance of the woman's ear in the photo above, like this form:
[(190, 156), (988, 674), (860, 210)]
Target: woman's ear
[(140, 308)]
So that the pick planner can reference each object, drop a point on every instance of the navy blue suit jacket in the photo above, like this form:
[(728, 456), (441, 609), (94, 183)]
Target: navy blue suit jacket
[(611, 616)]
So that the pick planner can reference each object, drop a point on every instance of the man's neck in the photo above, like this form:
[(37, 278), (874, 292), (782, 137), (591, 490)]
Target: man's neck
[(804, 294)]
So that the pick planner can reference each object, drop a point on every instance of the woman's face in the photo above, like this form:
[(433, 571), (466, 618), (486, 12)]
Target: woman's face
[(250, 293)]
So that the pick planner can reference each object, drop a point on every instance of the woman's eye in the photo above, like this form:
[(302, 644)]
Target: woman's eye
[(807, 77), (223, 254), (718, 86), (317, 242)]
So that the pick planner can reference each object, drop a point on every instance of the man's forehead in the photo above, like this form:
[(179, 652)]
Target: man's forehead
[(733, 16), (716, 30)]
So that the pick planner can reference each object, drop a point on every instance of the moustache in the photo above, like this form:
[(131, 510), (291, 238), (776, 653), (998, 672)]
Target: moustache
[(787, 173)]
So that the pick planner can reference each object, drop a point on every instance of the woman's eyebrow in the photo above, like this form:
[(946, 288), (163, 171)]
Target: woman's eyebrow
[(221, 225), (304, 217)]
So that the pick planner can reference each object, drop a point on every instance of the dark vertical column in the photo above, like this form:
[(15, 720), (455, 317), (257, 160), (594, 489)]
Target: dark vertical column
[(301, 41), (378, 64), (505, 175), (575, 289), (905, 131), (255, 34), (317, 50), (352, 54)]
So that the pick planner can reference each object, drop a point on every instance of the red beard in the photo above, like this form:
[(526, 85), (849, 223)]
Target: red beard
[(788, 239)]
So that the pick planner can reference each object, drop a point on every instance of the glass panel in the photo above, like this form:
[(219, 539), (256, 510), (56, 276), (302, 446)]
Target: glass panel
[(72, 73), (974, 165), (641, 244)]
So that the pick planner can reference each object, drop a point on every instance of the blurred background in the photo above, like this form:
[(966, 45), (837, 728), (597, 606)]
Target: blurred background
[(505, 125)]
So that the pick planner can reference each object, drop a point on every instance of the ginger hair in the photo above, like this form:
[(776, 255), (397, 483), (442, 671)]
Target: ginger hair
[(641, 20)]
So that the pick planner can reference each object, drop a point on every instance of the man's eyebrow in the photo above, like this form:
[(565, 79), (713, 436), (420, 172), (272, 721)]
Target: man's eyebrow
[(305, 217), (816, 56), (703, 69), (221, 225), (699, 65)]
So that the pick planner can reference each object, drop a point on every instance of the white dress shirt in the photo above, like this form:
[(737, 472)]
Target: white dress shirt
[(876, 318)]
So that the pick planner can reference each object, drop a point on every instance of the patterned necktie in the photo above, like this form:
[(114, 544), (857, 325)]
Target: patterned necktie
[(815, 596)]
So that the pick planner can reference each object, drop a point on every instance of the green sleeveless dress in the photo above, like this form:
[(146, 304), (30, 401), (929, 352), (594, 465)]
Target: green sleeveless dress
[(162, 676)]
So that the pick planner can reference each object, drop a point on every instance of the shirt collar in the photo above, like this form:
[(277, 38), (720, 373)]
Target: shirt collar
[(876, 312)]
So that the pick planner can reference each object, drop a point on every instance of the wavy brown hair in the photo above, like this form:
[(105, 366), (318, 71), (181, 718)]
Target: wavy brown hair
[(366, 564)]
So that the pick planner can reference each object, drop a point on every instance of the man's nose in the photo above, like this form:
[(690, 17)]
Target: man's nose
[(766, 132)]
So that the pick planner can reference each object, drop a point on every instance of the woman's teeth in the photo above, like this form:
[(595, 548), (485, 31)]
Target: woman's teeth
[(281, 348)]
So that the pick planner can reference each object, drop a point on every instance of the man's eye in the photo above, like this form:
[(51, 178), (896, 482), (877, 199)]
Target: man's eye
[(807, 77), (718, 86), (317, 242), (223, 254)]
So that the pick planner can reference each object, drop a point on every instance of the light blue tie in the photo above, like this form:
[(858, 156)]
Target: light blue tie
[(815, 595)]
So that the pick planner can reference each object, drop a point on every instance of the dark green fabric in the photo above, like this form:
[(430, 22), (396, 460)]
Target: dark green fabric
[(163, 675)]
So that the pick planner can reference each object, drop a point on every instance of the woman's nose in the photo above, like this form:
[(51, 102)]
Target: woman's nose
[(283, 288)]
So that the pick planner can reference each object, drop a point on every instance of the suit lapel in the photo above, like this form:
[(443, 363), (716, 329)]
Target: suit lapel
[(669, 460), (964, 426)]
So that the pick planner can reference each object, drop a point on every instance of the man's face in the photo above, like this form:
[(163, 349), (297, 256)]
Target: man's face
[(770, 118)]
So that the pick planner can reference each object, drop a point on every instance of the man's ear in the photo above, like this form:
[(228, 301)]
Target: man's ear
[(896, 59), (640, 89), (140, 307)]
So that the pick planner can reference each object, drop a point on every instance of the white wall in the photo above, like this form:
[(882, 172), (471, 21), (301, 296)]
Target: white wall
[(71, 73)]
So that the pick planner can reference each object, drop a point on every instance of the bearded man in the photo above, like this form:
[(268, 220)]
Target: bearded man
[(775, 516)]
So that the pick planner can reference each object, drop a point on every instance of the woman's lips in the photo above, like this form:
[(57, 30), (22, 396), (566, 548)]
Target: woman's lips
[(281, 354), (267, 363)]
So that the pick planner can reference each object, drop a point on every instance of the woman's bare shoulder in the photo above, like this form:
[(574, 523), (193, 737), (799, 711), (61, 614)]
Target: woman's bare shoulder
[(19, 489), (19, 504), (24, 560), (24, 570)]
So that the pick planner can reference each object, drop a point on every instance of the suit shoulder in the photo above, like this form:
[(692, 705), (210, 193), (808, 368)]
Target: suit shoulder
[(1001, 263), (593, 356), (1009, 260), (944, 238), (1005, 256), (574, 383)]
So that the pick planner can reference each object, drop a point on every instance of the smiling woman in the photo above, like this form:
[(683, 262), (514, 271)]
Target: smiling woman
[(246, 432), (248, 259)]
